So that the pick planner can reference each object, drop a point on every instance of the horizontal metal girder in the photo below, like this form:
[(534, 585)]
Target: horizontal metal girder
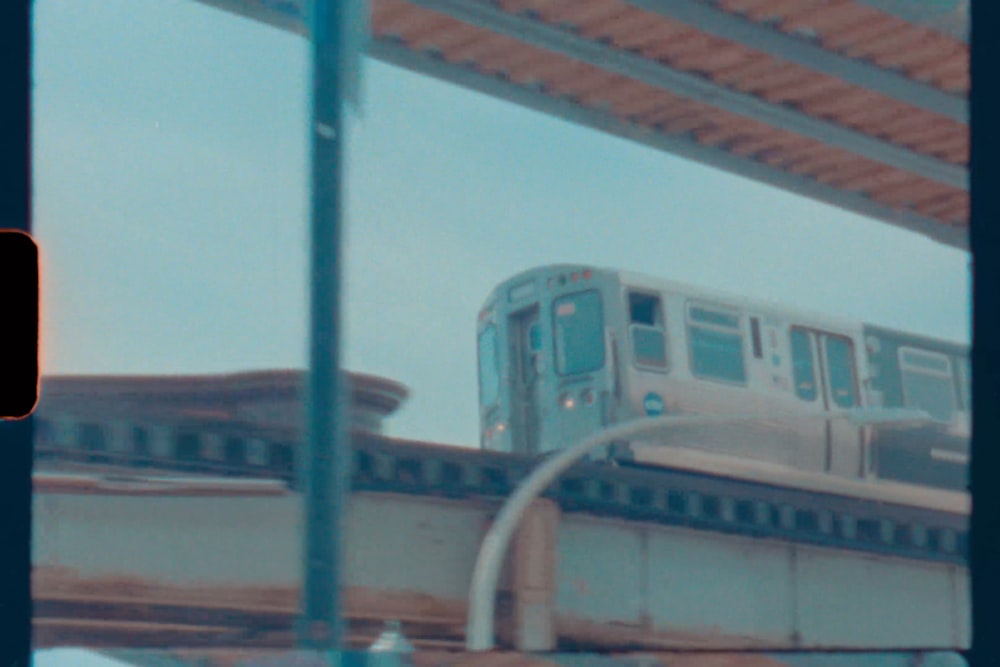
[(781, 46), (397, 54), (551, 38)]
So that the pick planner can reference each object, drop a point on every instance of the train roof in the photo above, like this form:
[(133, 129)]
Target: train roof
[(949, 346), (810, 316)]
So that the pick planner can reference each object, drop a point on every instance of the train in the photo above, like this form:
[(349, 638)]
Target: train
[(565, 351)]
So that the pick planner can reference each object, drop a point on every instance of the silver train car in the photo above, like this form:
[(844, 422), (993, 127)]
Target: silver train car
[(565, 351)]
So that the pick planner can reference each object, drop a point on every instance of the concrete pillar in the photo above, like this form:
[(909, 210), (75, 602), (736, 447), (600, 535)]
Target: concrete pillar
[(533, 572)]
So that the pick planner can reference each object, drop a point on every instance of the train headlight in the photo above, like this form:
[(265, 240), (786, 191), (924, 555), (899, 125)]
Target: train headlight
[(500, 428), (567, 401)]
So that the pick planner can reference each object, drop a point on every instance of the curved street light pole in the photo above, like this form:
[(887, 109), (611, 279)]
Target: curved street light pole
[(482, 593)]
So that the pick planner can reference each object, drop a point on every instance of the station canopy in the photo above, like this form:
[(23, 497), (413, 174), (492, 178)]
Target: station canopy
[(862, 104)]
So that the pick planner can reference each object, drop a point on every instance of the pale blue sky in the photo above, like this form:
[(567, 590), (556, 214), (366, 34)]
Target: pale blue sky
[(170, 191)]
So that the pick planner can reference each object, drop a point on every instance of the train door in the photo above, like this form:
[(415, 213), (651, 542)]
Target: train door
[(526, 367), (824, 374), (844, 451)]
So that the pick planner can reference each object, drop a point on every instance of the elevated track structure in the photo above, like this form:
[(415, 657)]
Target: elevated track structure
[(611, 558)]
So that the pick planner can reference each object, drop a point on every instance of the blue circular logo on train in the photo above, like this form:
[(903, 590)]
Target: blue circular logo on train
[(653, 404)]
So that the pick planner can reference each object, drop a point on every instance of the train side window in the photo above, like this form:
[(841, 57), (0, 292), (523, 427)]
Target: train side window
[(644, 309), (927, 382), (803, 371), (716, 344), (840, 368), (649, 340)]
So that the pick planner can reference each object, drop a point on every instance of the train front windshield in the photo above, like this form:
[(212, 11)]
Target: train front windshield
[(579, 333), (489, 367)]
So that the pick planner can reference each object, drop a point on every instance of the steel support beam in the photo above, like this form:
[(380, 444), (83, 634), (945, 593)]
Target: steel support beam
[(324, 467), (544, 36), (397, 54), (778, 45)]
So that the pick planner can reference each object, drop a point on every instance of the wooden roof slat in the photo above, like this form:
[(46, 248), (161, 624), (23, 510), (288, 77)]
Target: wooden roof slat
[(579, 80), (901, 39), (778, 76), (511, 61), (954, 57), (713, 61), (930, 197), (649, 40), (634, 23), (779, 9), (679, 109), (834, 105), (958, 155), (461, 35), (942, 146), (943, 206), (385, 9), (636, 101), (816, 163), (431, 35), (908, 59), (605, 92), (922, 44), (547, 10), (773, 158), (749, 144), (585, 13), (914, 128), (684, 124), (907, 195), (411, 19), (827, 18), (744, 71), (877, 27), (871, 117), (470, 51), (830, 167), (717, 134), (798, 93), (852, 173), (541, 69), (678, 43), (883, 178), (740, 6), (953, 64), (785, 156)]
